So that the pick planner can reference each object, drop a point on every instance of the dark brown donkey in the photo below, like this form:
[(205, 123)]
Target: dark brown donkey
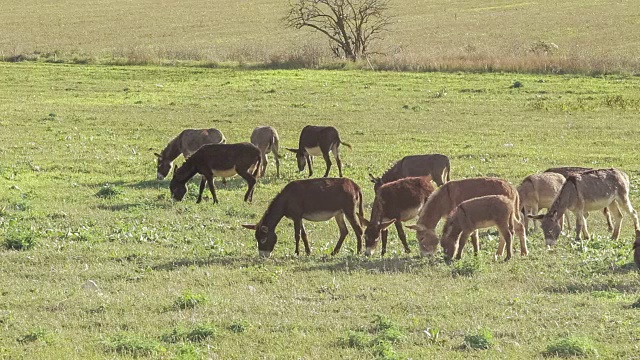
[(395, 202), (434, 166), (318, 141), (313, 200), (223, 160), (186, 143), (636, 248), (567, 171)]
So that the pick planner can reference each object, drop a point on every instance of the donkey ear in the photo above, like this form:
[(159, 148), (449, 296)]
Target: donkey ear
[(536, 217), (292, 150), (384, 225), (157, 155), (363, 220), (250, 226), (416, 227)]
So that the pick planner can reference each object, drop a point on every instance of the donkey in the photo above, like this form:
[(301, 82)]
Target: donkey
[(318, 141), (395, 202), (479, 213), (567, 171), (435, 166), (588, 191), (187, 143), (225, 160), (313, 200), (267, 140), (537, 191), (450, 195)]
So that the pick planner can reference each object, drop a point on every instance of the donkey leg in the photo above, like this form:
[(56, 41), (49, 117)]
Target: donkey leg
[(534, 211), (276, 156), (462, 241), (327, 161), (625, 204), (212, 189), (203, 183), (522, 235), (343, 232), (251, 183), (384, 235), (402, 236), (614, 210), (305, 240), (297, 228), (309, 162), (263, 164), (580, 224), (476, 245), (355, 225), (336, 153), (607, 216), (507, 236)]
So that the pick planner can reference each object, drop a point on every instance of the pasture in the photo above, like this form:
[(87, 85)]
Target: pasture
[(183, 280), (592, 36)]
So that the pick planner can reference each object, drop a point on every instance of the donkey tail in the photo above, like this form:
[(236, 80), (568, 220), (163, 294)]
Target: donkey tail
[(274, 144), (448, 171), (346, 144)]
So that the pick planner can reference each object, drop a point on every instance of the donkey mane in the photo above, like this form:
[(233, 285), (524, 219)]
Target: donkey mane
[(172, 150)]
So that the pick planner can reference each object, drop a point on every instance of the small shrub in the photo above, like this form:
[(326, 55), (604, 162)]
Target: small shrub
[(20, 239), (382, 323), (109, 191), (481, 341), (636, 305), (571, 346), (129, 344), (35, 335), (356, 340), (467, 267), (189, 300), (392, 335), (197, 334), (384, 350), (239, 327), (516, 84)]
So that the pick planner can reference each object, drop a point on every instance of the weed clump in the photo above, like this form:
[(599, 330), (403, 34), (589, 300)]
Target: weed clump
[(571, 346), (35, 335), (109, 191), (467, 267), (129, 344), (189, 300), (481, 341), (380, 338), (20, 239), (239, 327), (197, 334)]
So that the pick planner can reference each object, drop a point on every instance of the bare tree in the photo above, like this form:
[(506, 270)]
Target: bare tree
[(350, 25)]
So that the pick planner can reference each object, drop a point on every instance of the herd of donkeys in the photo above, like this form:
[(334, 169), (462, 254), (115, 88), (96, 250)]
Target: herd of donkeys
[(404, 192)]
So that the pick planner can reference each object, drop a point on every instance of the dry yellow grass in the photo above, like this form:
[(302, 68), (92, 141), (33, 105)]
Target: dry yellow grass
[(591, 35)]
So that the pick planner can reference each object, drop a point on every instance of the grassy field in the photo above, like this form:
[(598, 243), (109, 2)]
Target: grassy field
[(592, 36), (180, 280)]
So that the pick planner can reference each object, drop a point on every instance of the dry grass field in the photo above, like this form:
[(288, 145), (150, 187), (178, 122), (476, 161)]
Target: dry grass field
[(592, 36)]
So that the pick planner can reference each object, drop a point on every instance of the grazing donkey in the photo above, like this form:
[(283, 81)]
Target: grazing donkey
[(479, 213), (186, 144), (225, 160), (567, 171), (395, 202), (435, 166), (537, 192), (588, 191), (313, 200), (267, 140), (318, 141), (450, 195)]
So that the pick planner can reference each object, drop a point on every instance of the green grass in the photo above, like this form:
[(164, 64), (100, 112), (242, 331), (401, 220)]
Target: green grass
[(145, 251), (591, 36)]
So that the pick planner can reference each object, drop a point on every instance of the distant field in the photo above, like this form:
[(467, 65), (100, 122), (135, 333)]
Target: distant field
[(183, 280), (592, 36)]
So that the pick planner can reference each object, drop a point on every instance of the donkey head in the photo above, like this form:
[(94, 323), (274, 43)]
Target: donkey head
[(265, 237), (164, 166), (377, 182), (450, 241), (178, 188), (372, 233), (301, 157), (551, 226), (427, 238)]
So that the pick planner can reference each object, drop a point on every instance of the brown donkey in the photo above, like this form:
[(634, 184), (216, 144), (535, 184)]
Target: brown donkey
[(313, 200), (537, 192), (318, 141), (479, 213), (267, 140), (225, 160), (395, 202), (589, 191), (186, 143), (450, 195), (435, 166), (567, 171)]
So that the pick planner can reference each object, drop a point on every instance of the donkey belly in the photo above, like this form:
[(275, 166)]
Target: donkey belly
[(321, 215), (409, 214), (225, 173), (314, 151), (485, 224)]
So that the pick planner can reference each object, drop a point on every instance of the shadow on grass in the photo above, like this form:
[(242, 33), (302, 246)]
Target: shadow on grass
[(578, 288), (135, 206), (312, 263)]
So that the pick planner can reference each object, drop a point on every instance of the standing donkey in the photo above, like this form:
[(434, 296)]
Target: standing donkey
[(435, 166), (186, 143), (318, 141), (267, 140)]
